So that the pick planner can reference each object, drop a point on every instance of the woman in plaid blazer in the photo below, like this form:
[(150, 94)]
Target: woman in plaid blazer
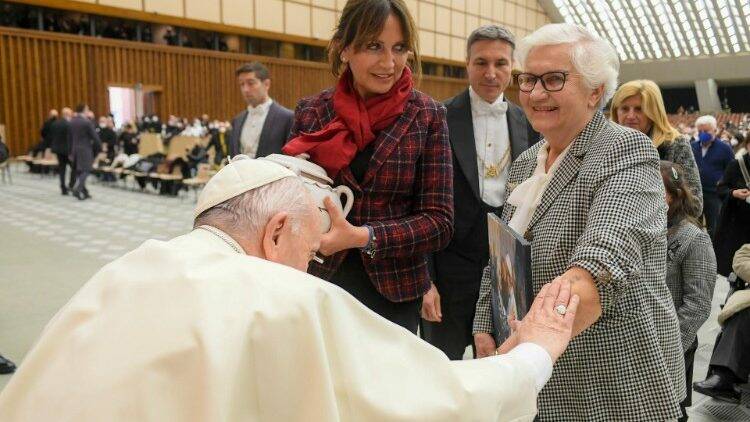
[(389, 143), (590, 199)]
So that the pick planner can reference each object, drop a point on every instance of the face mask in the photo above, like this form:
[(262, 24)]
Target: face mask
[(222, 129), (102, 125), (734, 142), (704, 137)]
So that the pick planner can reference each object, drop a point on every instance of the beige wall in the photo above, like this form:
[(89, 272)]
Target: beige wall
[(443, 24)]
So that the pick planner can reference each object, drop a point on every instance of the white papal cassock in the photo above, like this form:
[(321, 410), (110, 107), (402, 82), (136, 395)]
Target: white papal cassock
[(190, 330)]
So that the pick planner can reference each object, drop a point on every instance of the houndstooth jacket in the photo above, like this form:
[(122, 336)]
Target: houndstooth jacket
[(604, 211), (691, 275)]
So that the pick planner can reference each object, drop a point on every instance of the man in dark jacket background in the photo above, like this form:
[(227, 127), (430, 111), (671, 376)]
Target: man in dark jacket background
[(60, 145), (84, 145)]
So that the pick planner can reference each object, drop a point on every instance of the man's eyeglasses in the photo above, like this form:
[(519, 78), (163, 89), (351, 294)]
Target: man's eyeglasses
[(551, 81)]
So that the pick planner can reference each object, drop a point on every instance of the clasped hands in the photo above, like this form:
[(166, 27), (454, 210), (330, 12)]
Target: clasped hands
[(542, 325)]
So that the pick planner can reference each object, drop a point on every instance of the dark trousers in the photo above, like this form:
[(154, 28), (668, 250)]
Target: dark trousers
[(453, 334), (62, 164), (732, 348), (351, 276), (711, 210), (689, 359), (80, 185)]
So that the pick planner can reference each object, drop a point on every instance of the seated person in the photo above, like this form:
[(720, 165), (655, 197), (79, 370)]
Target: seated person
[(730, 361), (223, 324)]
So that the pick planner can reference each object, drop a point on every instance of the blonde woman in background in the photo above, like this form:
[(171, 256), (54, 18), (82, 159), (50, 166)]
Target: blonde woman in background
[(639, 105)]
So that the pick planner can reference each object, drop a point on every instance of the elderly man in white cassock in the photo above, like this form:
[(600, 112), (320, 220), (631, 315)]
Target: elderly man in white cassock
[(223, 324)]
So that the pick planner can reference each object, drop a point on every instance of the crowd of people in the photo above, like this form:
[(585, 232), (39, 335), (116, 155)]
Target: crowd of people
[(629, 221), (119, 147)]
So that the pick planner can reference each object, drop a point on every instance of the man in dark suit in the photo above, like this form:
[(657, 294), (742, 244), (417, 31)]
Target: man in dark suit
[(84, 145), (487, 132), (46, 126), (59, 144), (264, 127)]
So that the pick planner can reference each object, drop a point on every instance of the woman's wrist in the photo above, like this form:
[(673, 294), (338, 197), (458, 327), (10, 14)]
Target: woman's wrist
[(361, 237)]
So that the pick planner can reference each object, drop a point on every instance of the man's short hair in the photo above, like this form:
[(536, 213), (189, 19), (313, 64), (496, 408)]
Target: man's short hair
[(492, 33), (81, 107), (261, 72), (707, 120)]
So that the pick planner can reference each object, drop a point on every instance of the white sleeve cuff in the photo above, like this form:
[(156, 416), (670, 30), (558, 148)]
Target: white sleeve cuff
[(538, 358)]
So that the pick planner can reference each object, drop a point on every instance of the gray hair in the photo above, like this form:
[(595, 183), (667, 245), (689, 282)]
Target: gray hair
[(592, 56), (707, 120), (247, 214), (492, 33)]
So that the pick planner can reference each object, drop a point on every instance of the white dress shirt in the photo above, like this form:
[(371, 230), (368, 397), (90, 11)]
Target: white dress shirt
[(492, 141), (253, 126)]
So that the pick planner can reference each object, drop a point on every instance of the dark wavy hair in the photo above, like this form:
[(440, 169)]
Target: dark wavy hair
[(683, 201), (362, 21)]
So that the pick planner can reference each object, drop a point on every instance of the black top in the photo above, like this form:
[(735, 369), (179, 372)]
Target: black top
[(361, 162)]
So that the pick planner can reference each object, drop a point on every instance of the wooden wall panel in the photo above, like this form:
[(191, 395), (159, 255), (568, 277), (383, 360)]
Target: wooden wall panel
[(42, 70)]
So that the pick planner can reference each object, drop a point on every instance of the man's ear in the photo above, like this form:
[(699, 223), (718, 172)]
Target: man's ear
[(271, 234), (267, 83)]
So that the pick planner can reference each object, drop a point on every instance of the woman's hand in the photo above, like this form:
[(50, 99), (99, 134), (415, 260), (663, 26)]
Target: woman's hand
[(484, 344), (343, 235), (431, 305), (741, 193)]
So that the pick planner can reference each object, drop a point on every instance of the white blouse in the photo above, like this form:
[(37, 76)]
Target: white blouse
[(526, 196)]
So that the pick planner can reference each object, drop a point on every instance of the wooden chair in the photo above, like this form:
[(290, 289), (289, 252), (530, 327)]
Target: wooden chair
[(201, 178), (149, 144), (48, 161)]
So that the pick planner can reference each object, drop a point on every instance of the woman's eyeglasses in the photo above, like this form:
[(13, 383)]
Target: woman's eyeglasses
[(551, 81)]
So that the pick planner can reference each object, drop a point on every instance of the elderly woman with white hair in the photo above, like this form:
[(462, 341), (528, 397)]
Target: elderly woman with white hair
[(590, 199)]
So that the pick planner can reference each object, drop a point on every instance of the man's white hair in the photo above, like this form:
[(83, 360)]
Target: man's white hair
[(592, 56), (707, 120), (247, 214)]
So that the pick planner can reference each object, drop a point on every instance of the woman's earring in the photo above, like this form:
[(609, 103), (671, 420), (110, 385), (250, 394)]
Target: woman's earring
[(344, 59)]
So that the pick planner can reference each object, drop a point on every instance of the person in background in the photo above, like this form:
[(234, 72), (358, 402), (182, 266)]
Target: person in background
[(733, 226), (84, 146), (107, 134), (639, 105), (487, 132), (712, 157), (220, 143), (730, 360), (128, 139), (589, 198), (263, 128), (375, 133), (60, 145), (691, 266), (46, 131)]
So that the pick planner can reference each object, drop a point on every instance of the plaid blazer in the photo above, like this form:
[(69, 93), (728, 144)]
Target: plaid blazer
[(406, 194), (604, 211), (691, 275)]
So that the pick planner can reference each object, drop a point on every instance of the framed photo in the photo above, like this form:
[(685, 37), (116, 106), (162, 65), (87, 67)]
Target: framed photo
[(510, 273)]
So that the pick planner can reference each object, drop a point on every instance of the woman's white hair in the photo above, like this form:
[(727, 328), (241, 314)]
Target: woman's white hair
[(592, 56)]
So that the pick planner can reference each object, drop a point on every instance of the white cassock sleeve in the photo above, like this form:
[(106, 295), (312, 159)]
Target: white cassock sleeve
[(210, 335)]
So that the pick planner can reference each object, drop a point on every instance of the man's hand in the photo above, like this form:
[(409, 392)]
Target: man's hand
[(741, 193), (484, 344), (343, 235), (543, 325), (431, 305)]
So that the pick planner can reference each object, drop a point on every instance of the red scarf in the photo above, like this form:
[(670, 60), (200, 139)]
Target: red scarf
[(356, 123)]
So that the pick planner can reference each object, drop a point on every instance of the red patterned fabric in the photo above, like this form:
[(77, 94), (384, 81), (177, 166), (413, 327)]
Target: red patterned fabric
[(356, 123), (406, 194)]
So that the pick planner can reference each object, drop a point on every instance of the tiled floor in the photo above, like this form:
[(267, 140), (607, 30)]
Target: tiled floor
[(51, 244)]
